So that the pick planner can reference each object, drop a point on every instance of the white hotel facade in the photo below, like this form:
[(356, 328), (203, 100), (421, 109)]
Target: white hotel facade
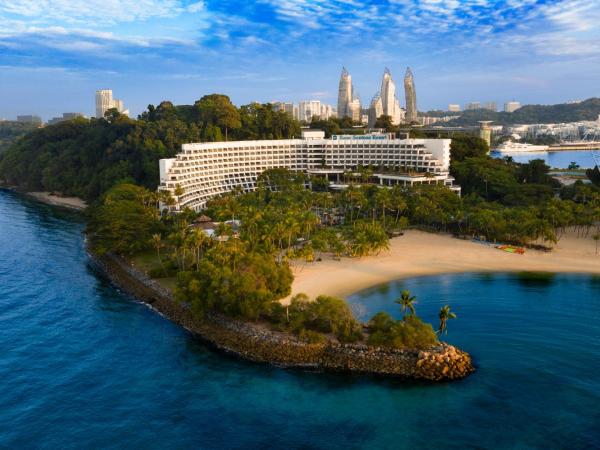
[(207, 170)]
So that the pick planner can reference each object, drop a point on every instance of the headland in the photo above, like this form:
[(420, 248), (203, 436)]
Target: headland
[(256, 342)]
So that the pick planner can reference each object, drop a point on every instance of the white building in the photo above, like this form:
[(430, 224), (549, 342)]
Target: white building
[(208, 170), (327, 112), (309, 109), (511, 106), (472, 105), (454, 107), (105, 101), (375, 110), (389, 101)]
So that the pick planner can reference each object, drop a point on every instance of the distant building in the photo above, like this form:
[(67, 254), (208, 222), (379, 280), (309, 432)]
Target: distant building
[(287, 107), (429, 120), (411, 96), (485, 131), (327, 111), (472, 105), (309, 109), (389, 102), (65, 116), (490, 106), (35, 120), (105, 101), (344, 95), (375, 110), (348, 101), (511, 106), (454, 107)]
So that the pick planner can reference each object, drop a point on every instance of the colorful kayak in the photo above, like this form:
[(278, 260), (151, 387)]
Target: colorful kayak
[(511, 249)]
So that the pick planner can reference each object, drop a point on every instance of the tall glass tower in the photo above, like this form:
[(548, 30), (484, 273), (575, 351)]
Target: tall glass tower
[(345, 95), (411, 96), (388, 94)]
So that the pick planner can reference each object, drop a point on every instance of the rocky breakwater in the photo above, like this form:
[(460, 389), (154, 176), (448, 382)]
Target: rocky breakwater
[(256, 342), (443, 362)]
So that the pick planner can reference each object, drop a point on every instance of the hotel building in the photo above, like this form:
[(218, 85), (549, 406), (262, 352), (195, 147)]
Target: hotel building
[(207, 170)]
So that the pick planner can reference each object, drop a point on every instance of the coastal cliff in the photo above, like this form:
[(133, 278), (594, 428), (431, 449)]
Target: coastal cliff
[(257, 343)]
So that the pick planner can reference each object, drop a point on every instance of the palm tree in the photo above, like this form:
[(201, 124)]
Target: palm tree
[(157, 241), (444, 315), (406, 302), (198, 240)]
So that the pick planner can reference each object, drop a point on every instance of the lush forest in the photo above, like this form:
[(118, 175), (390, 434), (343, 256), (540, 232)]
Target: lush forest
[(564, 112), (10, 132), (86, 157)]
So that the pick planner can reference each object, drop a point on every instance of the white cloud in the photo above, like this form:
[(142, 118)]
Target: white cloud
[(86, 11)]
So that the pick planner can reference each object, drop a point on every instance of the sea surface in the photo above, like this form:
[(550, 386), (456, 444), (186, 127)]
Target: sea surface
[(84, 366), (556, 160)]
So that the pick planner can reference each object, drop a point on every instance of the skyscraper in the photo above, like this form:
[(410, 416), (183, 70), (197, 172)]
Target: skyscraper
[(345, 95), (411, 96), (105, 101), (388, 93), (390, 104), (375, 110)]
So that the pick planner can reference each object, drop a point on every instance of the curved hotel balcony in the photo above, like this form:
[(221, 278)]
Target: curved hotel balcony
[(204, 171)]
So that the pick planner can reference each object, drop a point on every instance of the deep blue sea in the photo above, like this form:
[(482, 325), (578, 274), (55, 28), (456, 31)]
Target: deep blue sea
[(84, 366), (556, 160)]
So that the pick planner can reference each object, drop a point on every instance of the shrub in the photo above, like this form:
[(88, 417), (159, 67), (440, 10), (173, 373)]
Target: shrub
[(410, 332), (323, 315)]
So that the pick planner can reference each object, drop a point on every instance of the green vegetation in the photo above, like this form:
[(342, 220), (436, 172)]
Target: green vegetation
[(242, 269), (409, 332), (86, 157), (10, 132), (565, 112), (329, 315)]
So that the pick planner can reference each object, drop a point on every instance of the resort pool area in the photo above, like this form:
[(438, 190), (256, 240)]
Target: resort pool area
[(84, 366)]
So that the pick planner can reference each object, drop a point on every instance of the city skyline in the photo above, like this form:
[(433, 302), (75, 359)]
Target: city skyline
[(539, 51)]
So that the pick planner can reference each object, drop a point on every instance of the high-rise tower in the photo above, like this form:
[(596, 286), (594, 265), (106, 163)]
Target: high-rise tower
[(388, 94), (411, 96), (375, 110), (345, 95), (105, 101)]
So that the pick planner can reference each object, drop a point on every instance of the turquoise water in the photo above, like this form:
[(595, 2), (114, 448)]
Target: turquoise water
[(559, 160), (84, 366)]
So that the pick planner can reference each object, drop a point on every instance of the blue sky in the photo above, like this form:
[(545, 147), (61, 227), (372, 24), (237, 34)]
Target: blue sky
[(55, 53)]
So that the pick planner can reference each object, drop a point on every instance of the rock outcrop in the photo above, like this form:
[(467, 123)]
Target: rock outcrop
[(258, 343)]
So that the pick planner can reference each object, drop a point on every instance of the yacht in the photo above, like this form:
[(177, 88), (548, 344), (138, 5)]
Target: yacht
[(518, 147)]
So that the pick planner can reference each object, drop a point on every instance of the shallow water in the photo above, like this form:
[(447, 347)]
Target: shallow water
[(83, 365), (558, 160)]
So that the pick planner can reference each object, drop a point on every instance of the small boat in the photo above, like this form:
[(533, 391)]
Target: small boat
[(511, 249), (520, 147)]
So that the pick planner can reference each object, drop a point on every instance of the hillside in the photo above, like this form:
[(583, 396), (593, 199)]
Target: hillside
[(85, 157), (11, 131), (564, 112)]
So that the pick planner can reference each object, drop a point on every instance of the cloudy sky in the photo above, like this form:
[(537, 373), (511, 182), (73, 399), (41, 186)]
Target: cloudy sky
[(55, 53)]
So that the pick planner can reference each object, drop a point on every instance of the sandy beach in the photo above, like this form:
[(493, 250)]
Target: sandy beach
[(419, 253), (56, 200)]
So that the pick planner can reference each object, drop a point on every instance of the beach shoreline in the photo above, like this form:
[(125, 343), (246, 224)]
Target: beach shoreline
[(419, 253), (50, 198)]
